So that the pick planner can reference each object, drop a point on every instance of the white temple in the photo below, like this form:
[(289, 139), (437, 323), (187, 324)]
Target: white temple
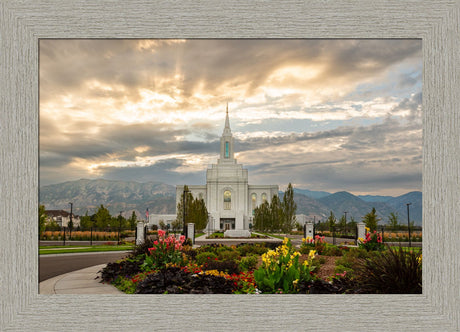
[(229, 198)]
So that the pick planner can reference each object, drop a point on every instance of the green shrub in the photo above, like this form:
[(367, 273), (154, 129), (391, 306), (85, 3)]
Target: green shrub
[(246, 249), (229, 255), (248, 263), (230, 267), (331, 250), (394, 271), (341, 269), (205, 257)]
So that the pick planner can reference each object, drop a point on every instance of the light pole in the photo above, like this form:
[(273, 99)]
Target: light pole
[(408, 222), (119, 227), (70, 224), (184, 201)]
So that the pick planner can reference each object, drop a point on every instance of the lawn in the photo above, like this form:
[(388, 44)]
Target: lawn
[(47, 250)]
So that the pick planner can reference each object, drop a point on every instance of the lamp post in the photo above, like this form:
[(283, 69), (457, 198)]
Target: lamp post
[(184, 201), (70, 224), (408, 223), (119, 227)]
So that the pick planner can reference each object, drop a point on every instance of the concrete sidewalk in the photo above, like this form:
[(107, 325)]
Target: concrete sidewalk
[(78, 282)]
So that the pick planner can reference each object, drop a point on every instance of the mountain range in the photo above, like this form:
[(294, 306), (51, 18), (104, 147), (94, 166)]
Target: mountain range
[(127, 196)]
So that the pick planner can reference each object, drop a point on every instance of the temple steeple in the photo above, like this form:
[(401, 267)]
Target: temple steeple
[(227, 130), (226, 143)]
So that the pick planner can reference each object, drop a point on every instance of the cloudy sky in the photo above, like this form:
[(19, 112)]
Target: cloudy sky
[(322, 114)]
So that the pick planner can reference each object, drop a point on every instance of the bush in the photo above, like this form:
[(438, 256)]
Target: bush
[(246, 249), (173, 280), (373, 241), (167, 250), (331, 250), (230, 267), (248, 263), (394, 271), (205, 257), (123, 268), (143, 248), (229, 255)]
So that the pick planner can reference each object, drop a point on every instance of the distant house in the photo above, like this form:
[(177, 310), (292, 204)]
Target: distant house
[(62, 217)]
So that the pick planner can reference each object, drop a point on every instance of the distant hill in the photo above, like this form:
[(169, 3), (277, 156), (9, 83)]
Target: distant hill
[(311, 194), (128, 196), (88, 195), (371, 198)]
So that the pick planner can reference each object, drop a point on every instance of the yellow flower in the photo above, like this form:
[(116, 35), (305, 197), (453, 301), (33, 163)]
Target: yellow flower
[(305, 262), (286, 240), (360, 240), (367, 229), (312, 253)]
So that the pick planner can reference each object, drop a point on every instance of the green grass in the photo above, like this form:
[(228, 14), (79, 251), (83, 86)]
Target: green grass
[(80, 249)]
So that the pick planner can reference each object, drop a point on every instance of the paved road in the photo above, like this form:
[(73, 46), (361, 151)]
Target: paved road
[(53, 265)]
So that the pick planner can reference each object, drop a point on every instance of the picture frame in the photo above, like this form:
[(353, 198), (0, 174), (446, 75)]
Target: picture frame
[(23, 23)]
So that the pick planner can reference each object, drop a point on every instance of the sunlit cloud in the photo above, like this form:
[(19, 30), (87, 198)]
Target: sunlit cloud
[(303, 111)]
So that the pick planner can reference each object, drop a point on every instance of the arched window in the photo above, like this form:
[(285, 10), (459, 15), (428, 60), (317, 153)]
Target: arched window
[(227, 200), (253, 202), (264, 197)]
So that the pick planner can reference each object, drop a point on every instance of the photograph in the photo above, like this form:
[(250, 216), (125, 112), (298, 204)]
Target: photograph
[(230, 166)]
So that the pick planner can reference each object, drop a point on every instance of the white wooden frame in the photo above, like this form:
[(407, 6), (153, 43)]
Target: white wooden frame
[(22, 23)]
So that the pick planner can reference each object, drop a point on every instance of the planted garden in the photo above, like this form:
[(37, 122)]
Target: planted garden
[(170, 266)]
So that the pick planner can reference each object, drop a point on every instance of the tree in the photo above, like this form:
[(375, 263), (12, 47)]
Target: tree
[(331, 222), (41, 219), (199, 214), (162, 224), (85, 221), (132, 221), (289, 208), (342, 223), (195, 211), (262, 217), (371, 220), (276, 215), (102, 217), (176, 226), (393, 220), (188, 207)]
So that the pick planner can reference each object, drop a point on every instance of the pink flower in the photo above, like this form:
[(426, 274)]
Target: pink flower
[(155, 242), (182, 238), (161, 233)]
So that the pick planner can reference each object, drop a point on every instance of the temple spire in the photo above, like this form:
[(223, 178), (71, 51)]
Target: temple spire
[(227, 130)]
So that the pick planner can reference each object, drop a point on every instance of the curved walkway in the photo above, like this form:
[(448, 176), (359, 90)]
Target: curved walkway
[(78, 282)]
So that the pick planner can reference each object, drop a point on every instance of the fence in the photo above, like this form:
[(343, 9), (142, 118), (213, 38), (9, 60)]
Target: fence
[(389, 234)]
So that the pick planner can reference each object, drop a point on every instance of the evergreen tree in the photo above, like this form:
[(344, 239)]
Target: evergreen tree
[(195, 211), (275, 223), (342, 224), (133, 221), (371, 220), (331, 222), (262, 217), (289, 208)]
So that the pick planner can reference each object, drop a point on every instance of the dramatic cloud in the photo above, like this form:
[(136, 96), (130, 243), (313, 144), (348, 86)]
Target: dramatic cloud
[(322, 114)]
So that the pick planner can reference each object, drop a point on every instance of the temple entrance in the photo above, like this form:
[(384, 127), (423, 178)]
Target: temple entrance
[(227, 223)]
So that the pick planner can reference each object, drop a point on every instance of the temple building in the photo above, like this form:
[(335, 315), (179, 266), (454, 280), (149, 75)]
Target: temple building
[(229, 199)]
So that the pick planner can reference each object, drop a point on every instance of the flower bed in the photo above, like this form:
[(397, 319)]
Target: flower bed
[(168, 266)]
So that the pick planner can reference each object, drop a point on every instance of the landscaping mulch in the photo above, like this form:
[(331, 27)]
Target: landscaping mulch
[(327, 269)]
